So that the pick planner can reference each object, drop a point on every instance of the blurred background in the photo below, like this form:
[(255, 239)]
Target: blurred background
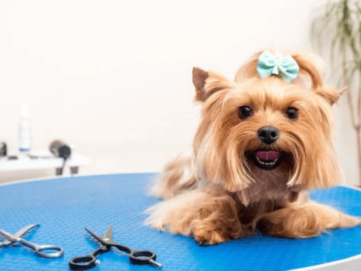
[(113, 77)]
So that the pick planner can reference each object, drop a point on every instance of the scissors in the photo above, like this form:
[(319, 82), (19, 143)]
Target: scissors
[(89, 261), (12, 239)]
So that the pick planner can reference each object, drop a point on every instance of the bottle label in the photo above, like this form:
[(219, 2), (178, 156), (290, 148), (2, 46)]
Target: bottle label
[(24, 138), (24, 143)]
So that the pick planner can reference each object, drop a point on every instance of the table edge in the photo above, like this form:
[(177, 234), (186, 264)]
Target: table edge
[(52, 178)]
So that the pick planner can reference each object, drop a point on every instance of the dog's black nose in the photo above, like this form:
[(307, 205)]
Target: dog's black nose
[(268, 134)]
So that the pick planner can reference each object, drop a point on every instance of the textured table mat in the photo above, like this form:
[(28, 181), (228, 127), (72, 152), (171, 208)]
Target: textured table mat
[(65, 206)]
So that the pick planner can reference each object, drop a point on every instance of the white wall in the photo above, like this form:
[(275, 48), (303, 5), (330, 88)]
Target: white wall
[(114, 77)]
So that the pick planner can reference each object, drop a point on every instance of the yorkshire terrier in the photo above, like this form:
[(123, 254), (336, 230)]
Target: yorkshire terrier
[(263, 141)]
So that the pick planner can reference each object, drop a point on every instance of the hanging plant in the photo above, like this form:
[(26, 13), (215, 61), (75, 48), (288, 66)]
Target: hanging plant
[(337, 27)]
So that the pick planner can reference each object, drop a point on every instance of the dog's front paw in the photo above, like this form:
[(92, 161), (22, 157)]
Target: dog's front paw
[(208, 238), (202, 242)]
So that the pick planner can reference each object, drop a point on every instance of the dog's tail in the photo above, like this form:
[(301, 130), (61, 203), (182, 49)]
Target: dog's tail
[(179, 175)]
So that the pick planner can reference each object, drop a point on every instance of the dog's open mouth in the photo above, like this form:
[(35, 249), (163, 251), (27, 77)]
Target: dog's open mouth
[(266, 160)]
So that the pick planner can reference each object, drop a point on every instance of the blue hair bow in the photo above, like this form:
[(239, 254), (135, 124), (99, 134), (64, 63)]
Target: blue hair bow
[(285, 67)]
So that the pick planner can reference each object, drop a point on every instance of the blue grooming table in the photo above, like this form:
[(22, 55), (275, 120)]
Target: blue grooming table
[(64, 206)]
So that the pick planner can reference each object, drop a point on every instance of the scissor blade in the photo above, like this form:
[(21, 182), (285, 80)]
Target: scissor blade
[(97, 237), (25, 230), (8, 238), (109, 233), (19, 234)]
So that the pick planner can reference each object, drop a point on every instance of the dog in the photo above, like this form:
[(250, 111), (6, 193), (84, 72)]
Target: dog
[(262, 142)]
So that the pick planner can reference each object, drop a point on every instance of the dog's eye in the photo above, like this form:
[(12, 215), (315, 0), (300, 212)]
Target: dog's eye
[(244, 112), (292, 113)]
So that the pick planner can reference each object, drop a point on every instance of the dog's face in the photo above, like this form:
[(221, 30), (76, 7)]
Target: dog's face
[(264, 130)]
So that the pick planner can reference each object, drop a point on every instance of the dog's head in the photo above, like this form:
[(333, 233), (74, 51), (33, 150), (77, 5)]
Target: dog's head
[(266, 127)]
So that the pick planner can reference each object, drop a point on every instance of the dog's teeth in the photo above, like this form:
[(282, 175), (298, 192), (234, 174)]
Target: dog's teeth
[(271, 163)]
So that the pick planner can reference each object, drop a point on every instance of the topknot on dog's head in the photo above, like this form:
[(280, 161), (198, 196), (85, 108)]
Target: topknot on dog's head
[(311, 74), (312, 68)]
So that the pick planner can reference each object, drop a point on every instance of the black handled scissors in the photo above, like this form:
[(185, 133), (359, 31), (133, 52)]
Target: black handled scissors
[(135, 256), (12, 239)]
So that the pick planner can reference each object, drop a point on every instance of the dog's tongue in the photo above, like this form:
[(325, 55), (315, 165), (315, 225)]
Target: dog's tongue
[(268, 155)]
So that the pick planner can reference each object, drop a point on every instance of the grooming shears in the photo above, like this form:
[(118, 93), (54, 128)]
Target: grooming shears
[(11, 239), (135, 256)]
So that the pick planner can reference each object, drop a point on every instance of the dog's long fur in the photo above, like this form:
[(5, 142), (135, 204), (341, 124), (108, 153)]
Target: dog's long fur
[(219, 194)]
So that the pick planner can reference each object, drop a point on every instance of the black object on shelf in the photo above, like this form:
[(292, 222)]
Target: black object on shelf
[(3, 149), (60, 149)]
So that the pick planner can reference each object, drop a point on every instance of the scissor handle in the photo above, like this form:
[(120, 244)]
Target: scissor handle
[(44, 250), (87, 261), (143, 257)]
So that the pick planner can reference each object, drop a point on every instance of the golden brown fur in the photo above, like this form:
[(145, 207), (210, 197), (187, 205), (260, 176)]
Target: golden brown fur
[(220, 193)]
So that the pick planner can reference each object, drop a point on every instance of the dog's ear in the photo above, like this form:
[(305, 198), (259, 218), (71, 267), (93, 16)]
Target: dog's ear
[(330, 94), (207, 83)]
